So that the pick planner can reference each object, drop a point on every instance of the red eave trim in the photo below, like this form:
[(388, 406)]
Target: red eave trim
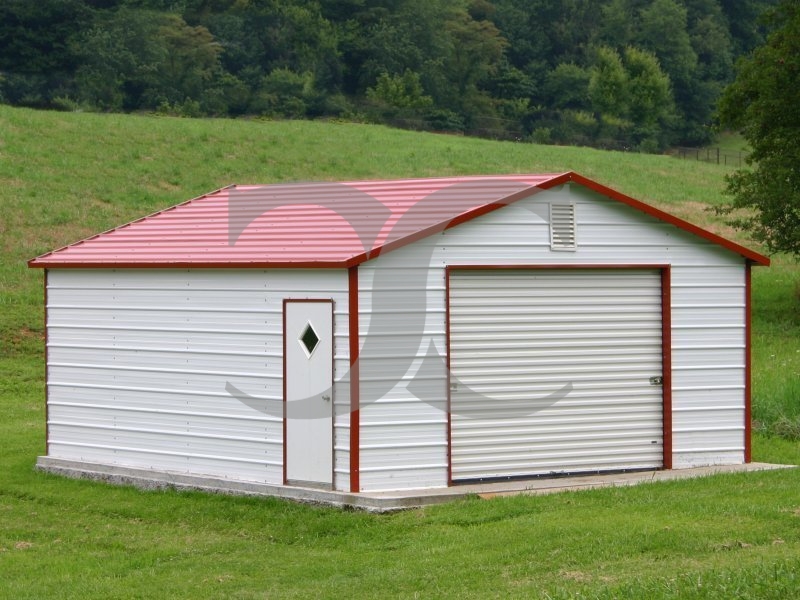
[(658, 214), (310, 264), (451, 222)]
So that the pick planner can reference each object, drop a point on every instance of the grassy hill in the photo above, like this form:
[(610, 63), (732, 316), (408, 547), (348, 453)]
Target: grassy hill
[(64, 176)]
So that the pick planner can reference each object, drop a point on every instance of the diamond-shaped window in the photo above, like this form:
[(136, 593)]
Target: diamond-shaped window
[(309, 339)]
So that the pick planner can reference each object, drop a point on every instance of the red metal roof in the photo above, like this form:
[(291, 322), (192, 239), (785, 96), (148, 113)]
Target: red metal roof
[(318, 224)]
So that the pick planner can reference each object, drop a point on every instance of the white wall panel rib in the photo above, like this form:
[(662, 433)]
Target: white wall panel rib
[(139, 361), (704, 318), (403, 437)]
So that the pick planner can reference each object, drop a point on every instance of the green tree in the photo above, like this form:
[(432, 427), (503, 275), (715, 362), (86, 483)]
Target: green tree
[(762, 101), (664, 31), (36, 57), (649, 87), (399, 93), (192, 58), (136, 59), (529, 46), (120, 59), (608, 84), (512, 65), (631, 97), (617, 22), (711, 40), (476, 48), (744, 23), (260, 36), (567, 86), (651, 107), (284, 93)]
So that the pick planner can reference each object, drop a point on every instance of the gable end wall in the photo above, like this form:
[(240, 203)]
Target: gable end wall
[(404, 440)]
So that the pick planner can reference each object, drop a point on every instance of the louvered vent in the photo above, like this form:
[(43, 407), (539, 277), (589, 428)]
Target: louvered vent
[(562, 226)]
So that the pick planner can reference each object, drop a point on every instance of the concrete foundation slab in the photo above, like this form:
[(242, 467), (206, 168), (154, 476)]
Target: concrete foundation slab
[(374, 501)]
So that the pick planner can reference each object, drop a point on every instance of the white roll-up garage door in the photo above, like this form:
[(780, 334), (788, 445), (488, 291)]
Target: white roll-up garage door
[(555, 371)]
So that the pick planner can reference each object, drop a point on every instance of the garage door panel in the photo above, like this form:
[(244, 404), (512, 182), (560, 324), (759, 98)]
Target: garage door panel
[(634, 368), (555, 379), (555, 320), (520, 447), (551, 371), (568, 335), (548, 437), (573, 416), (569, 461)]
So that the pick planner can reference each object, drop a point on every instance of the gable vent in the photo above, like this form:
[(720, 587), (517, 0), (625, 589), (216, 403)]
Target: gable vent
[(562, 226)]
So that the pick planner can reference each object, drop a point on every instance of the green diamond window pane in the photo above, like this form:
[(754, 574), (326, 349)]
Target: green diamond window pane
[(309, 339)]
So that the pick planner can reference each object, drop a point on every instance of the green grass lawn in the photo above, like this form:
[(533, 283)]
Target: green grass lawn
[(67, 176)]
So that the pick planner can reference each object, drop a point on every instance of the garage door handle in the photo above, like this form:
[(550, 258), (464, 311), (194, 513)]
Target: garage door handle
[(326, 398), (658, 380)]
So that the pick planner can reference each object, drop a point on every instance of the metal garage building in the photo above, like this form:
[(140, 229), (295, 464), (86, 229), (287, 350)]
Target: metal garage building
[(389, 335)]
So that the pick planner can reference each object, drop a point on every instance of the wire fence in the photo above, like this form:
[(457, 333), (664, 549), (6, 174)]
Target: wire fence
[(719, 156)]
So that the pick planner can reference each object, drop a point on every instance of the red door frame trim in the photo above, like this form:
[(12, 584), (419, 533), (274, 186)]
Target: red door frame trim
[(666, 341), (333, 374), (355, 392)]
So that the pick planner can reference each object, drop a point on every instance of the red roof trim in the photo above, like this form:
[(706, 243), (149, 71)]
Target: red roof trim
[(308, 264), (659, 214), (452, 222), (544, 182)]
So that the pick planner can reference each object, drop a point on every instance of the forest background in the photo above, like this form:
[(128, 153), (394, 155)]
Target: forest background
[(623, 74)]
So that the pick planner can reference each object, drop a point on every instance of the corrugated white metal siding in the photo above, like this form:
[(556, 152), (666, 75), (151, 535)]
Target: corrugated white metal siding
[(708, 318), (403, 431), (139, 361), (550, 371), (708, 365)]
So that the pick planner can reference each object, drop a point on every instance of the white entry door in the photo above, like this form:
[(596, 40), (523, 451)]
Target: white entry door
[(308, 372)]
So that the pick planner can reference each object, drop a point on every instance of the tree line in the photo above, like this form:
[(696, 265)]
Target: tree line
[(643, 74)]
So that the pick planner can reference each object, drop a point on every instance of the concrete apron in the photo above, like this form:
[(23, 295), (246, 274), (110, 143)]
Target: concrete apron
[(375, 501)]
